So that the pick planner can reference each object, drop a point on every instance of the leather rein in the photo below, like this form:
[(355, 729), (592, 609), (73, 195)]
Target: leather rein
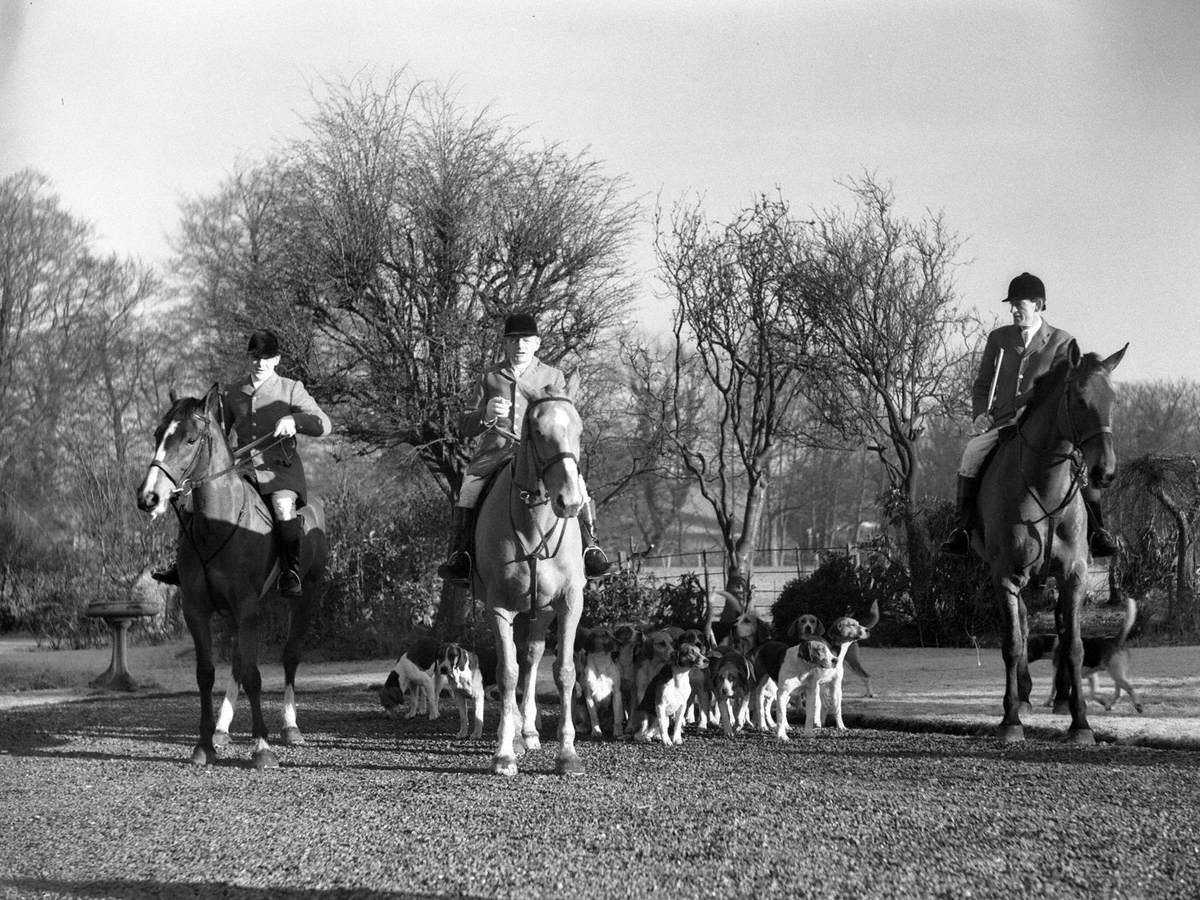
[(1074, 456), (183, 484), (533, 496)]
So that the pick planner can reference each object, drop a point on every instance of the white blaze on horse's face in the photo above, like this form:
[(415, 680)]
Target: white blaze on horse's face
[(556, 429), (155, 490)]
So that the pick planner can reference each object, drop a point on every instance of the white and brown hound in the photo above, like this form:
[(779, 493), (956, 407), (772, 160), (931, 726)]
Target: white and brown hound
[(468, 678), (1100, 654), (414, 672), (599, 683), (661, 710), (652, 654), (808, 626), (732, 683)]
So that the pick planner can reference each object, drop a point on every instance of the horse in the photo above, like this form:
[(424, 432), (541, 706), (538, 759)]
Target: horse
[(529, 564), (1035, 523), (227, 564)]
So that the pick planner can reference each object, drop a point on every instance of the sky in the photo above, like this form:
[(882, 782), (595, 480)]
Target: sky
[(1058, 138)]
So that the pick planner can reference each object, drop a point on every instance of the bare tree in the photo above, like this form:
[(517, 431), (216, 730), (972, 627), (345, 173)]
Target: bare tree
[(1159, 417), (734, 372), (879, 292), (388, 244)]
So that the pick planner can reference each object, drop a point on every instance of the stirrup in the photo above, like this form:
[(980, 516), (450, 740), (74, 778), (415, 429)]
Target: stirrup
[(1101, 544), (958, 544), (457, 569), (595, 562), (289, 584), (166, 576)]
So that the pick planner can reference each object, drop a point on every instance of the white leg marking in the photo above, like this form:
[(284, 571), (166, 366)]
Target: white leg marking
[(289, 707), (228, 705)]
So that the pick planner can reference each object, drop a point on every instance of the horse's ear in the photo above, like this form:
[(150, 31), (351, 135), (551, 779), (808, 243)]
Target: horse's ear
[(1115, 360), (1073, 353), (212, 401), (573, 383), (172, 394)]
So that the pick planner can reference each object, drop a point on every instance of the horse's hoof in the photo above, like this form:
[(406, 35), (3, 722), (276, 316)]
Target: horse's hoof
[(265, 759), (201, 756), (504, 765), (531, 741), (292, 737), (220, 739), (1011, 734), (1083, 737), (568, 765)]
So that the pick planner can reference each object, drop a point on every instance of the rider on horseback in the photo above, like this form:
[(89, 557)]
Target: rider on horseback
[(268, 406), (1014, 357), (499, 407)]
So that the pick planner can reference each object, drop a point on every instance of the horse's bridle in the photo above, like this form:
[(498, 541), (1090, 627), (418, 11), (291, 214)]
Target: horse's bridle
[(532, 495), (181, 482)]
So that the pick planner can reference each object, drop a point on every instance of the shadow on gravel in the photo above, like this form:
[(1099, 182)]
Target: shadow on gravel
[(1037, 750), (157, 890)]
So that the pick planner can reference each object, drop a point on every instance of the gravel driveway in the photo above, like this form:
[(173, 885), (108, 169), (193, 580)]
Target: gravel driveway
[(96, 800)]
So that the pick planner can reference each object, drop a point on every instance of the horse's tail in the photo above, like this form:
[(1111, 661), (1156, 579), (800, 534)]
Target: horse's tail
[(1130, 618)]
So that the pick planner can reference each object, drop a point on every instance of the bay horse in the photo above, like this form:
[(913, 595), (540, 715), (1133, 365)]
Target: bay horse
[(529, 563), (227, 564), (1035, 523)]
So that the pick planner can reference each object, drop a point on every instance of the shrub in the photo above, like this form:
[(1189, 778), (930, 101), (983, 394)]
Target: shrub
[(626, 597)]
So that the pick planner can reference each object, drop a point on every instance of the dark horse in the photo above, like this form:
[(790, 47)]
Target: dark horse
[(1035, 524), (530, 563), (227, 564)]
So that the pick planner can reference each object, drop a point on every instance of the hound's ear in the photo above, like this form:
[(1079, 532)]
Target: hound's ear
[(1115, 360), (793, 630), (1073, 354)]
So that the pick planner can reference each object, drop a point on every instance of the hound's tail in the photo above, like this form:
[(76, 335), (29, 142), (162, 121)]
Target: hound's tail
[(1130, 618), (872, 618)]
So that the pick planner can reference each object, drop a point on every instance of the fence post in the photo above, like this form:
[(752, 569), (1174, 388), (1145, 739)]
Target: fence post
[(704, 566)]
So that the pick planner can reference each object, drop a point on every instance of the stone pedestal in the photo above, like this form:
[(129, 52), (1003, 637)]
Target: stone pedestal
[(117, 677), (145, 599)]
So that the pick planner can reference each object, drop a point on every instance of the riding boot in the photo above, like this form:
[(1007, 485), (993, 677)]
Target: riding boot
[(457, 567), (959, 542), (169, 575), (595, 561), (289, 534), (1100, 540)]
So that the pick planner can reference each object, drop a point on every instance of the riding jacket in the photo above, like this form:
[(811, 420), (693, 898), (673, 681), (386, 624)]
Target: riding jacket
[(494, 449), (1019, 368), (252, 413)]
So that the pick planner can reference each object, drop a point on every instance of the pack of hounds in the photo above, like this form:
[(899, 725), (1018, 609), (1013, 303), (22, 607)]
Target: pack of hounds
[(644, 683)]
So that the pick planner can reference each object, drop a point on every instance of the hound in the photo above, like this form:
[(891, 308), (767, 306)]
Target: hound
[(413, 671), (808, 626), (468, 678), (599, 682), (732, 683), (652, 655), (805, 666), (1099, 654), (661, 710)]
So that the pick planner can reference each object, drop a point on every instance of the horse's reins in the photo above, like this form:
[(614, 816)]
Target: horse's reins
[(1075, 457), (241, 456), (533, 497), (184, 485)]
